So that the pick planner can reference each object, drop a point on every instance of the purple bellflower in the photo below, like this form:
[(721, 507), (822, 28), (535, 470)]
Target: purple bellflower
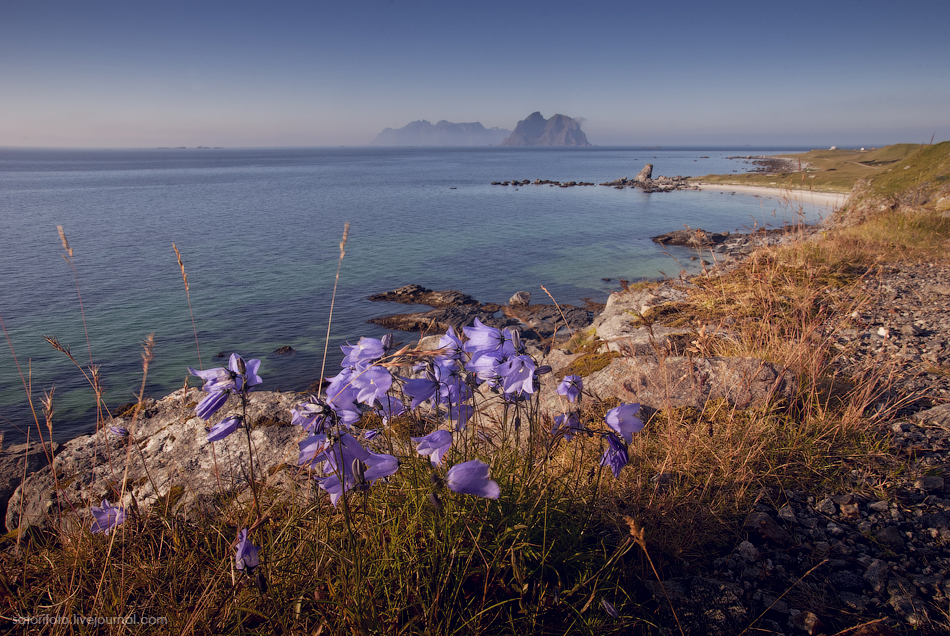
[(246, 558), (517, 374), (622, 420), (311, 449), (471, 478), (436, 444), (223, 428), (571, 387), (311, 415), (118, 431), (372, 383), (568, 425), (363, 352), (420, 390), (107, 517), (452, 346), (349, 450), (389, 407), (616, 454), (219, 382)]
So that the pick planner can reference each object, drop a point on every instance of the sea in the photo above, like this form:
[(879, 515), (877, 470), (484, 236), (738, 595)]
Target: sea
[(259, 234)]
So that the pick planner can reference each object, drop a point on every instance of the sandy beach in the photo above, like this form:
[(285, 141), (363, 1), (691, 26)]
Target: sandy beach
[(831, 200)]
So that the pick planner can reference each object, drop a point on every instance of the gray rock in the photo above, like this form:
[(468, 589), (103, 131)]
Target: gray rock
[(645, 174), (520, 299), (931, 483), (677, 381), (19, 461), (170, 453)]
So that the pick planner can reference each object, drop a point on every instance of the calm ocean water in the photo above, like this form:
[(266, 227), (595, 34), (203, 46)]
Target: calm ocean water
[(259, 231)]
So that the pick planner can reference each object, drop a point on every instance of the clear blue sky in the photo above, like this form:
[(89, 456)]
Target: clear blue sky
[(144, 73)]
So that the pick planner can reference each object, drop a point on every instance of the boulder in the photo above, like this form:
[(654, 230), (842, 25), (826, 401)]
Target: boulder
[(520, 299), (170, 458), (646, 174), (18, 461), (678, 381)]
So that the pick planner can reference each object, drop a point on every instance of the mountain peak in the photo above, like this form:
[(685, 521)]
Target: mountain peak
[(535, 130)]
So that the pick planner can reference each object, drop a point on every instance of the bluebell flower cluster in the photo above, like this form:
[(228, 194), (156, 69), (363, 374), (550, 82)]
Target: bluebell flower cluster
[(238, 378)]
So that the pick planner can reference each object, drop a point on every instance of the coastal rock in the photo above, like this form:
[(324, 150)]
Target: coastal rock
[(535, 130), (678, 381), (455, 309), (694, 238), (419, 295), (21, 460), (173, 462), (645, 174), (520, 299)]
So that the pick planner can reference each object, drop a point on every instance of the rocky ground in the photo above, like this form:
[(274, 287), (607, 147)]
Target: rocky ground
[(816, 562)]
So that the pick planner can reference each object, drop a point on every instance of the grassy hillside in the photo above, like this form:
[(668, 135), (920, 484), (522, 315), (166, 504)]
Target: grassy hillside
[(891, 169)]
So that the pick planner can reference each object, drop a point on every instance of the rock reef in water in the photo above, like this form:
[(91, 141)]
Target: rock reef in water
[(535, 130), (444, 133)]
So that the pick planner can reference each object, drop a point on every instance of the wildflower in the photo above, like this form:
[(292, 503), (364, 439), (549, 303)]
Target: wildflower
[(311, 448), (365, 351), (118, 431), (239, 377), (389, 407), (210, 404), (245, 372), (609, 608), (436, 444), (348, 449), (107, 517), (517, 374), (451, 345), (484, 365), (622, 420), (223, 428), (420, 390), (567, 425), (571, 387), (471, 478), (482, 338), (372, 383), (311, 415), (461, 414), (246, 556), (616, 454)]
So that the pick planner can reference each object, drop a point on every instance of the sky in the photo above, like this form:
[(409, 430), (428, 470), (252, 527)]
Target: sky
[(235, 73)]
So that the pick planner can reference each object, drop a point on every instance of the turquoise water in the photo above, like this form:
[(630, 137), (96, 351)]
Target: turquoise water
[(259, 232)]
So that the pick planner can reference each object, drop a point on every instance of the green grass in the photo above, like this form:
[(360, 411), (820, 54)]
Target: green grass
[(840, 170)]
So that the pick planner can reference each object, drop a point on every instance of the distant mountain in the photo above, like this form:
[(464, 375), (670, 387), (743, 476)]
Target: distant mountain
[(560, 130), (444, 133)]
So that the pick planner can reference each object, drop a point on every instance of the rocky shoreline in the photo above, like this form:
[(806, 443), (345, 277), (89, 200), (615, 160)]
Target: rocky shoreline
[(643, 181), (874, 555)]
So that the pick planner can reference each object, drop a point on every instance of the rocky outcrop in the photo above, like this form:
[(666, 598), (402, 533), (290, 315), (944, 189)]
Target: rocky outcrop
[(691, 238), (169, 461), (646, 184), (645, 174), (444, 133), (455, 309), (535, 130), (19, 462)]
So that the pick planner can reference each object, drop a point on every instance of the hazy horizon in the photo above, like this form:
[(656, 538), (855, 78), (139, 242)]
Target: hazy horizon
[(108, 74)]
